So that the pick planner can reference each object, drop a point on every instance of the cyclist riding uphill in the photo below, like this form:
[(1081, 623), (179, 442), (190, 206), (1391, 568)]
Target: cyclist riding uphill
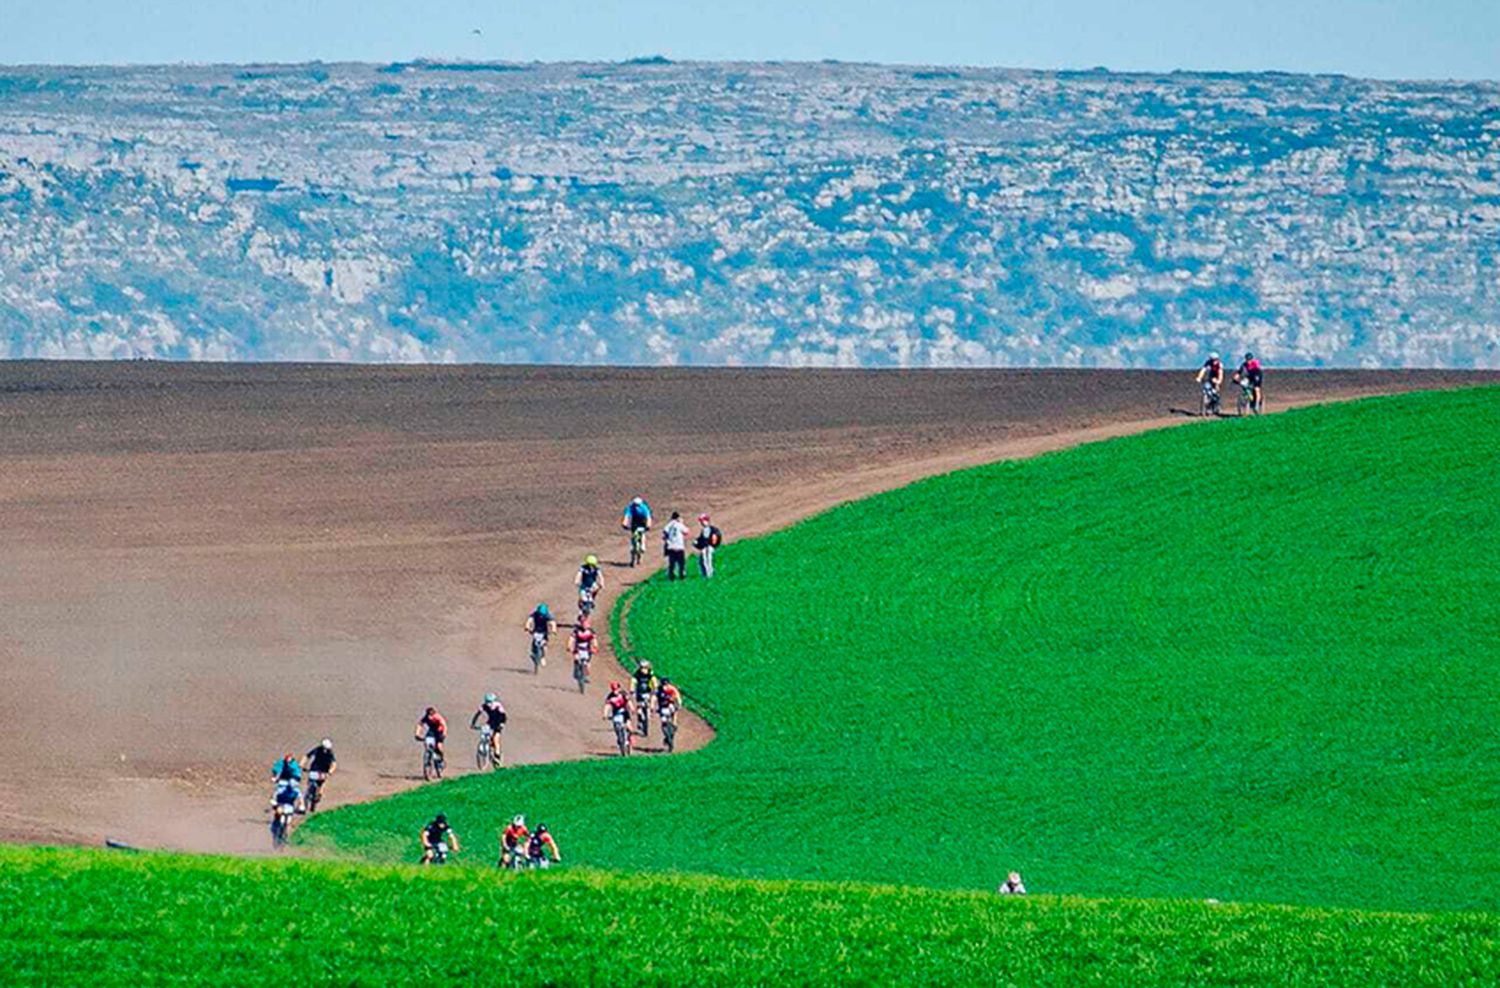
[(1212, 372), (637, 514), (590, 578), (286, 772), (492, 712), (513, 841), (320, 762), (1251, 371), (538, 845), (541, 622), (646, 682), (582, 642), (438, 839), (432, 725), (617, 704)]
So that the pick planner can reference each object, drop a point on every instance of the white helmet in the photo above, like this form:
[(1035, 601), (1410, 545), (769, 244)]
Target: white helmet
[(1214, 355), (519, 820), (326, 743), (638, 500)]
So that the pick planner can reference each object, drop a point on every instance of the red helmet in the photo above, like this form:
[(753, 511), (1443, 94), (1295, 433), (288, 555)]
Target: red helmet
[(614, 687)]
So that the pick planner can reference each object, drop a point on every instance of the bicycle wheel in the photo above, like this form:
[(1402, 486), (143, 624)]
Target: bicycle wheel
[(429, 767), (482, 751)]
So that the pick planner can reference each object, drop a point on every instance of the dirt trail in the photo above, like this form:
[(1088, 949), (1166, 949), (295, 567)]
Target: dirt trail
[(207, 566)]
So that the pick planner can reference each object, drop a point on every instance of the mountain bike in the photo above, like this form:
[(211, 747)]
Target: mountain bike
[(637, 545), (643, 716), (432, 762), (1246, 400), (489, 753), (538, 651), (1209, 402), (439, 853), (282, 811), (581, 670), (314, 796), (621, 722), (586, 602), (668, 717)]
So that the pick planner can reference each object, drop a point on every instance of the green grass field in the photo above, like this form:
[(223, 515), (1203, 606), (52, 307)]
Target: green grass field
[(1250, 660), (74, 917)]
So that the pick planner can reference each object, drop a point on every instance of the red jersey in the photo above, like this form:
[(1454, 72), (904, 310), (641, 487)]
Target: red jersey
[(583, 641), (436, 724), (513, 836)]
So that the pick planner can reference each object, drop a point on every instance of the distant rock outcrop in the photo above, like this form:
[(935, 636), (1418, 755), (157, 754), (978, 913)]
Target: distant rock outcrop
[(653, 212)]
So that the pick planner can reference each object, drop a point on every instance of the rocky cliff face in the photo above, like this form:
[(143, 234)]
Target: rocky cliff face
[(788, 214)]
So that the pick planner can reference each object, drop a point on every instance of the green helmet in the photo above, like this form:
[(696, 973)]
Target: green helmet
[(591, 560)]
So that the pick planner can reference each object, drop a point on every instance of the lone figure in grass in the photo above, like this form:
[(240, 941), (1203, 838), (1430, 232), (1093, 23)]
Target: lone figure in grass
[(674, 542), (1012, 885)]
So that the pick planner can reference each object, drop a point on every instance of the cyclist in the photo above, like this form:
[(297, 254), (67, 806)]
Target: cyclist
[(433, 725), (646, 683), (617, 709), (1252, 372), (538, 845), (668, 702), (541, 626), (320, 763), (493, 713), (583, 642), (438, 837), (636, 519), (286, 772), (513, 841), (589, 581), (1211, 375)]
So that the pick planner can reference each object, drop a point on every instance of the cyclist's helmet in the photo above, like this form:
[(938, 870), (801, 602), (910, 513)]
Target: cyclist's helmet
[(585, 622), (518, 820), (646, 665), (431, 711), (1214, 355), (326, 743), (665, 681), (591, 560), (703, 517), (541, 828), (542, 609), (638, 500), (614, 687), (440, 819), (490, 698), (1249, 355)]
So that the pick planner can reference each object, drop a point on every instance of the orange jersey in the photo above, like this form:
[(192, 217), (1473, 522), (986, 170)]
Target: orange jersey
[(513, 837), (436, 724)]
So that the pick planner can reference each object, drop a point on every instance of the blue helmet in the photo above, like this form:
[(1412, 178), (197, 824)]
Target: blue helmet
[(542, 609)]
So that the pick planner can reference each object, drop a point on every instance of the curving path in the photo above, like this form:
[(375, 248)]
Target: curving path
[(208, 565)]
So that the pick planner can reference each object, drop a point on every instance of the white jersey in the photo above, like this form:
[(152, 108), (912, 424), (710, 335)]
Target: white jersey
[(675, 535)]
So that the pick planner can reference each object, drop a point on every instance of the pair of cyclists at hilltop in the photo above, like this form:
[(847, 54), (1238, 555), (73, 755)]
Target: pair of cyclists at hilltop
[(1250, 376)]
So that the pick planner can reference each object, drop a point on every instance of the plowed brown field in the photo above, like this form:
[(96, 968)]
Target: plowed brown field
[(205, 566)]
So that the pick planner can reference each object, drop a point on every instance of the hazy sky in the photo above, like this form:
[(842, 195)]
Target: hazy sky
[(1380, 38)]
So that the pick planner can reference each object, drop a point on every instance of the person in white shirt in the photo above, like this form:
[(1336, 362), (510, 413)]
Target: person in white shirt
[(1012, 885), (674, 541)]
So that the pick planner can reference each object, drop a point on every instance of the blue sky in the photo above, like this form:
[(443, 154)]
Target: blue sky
[(1380, 38)]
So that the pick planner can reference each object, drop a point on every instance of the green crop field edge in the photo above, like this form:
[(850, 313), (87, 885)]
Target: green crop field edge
[(111, 918)]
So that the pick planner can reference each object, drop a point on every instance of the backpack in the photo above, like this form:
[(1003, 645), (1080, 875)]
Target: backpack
[(715, 536)]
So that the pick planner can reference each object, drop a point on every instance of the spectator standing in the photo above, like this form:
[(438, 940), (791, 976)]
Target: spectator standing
[(674, 541), (707, 541)]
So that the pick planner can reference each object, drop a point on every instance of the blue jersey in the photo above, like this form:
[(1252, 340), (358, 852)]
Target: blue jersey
[(286, 770), (638, 515)]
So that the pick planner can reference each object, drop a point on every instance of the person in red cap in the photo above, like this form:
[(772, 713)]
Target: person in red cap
[(707, 541)]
